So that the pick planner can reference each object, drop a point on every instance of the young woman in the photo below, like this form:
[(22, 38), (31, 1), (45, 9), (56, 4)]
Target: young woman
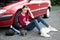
[(24, 20)]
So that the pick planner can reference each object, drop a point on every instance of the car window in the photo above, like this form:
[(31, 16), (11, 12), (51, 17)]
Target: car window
[(5, 2)]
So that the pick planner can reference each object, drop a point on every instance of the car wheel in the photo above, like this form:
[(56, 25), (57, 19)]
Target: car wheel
[(47, 14), (16, 23)]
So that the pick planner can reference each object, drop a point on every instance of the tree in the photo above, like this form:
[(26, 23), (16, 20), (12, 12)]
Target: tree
[(55, 2)]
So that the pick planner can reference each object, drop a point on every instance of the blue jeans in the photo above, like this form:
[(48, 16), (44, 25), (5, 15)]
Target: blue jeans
[(34, 23)]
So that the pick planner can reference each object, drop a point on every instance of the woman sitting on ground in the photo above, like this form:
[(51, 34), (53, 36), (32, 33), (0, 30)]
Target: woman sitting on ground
[(24, 20)]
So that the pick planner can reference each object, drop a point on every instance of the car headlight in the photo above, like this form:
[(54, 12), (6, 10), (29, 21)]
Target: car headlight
[(2, 11)]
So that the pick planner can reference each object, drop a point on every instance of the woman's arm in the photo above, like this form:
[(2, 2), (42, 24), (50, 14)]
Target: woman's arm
[(30, 12)]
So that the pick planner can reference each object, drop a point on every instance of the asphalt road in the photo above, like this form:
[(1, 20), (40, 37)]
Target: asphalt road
[(53, 20)]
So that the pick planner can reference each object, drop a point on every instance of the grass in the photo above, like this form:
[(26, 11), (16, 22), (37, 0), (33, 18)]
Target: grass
[(54, 8)]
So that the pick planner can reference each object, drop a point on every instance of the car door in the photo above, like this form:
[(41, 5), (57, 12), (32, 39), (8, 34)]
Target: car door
[(37, 6)]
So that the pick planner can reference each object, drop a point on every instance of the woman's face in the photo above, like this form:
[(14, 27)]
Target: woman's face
[(24, 10)]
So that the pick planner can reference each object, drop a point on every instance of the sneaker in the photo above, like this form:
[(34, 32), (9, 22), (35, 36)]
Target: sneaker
[(52, 29), (45, 30), (45, 35)]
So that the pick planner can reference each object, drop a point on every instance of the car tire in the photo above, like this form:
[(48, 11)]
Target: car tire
[(47, 14), (16, 23)]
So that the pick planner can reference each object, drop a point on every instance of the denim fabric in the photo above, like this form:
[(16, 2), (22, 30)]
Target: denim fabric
[(34, 23)]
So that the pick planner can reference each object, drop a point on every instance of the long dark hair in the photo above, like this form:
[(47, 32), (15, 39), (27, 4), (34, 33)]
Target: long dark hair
[(25, 7)]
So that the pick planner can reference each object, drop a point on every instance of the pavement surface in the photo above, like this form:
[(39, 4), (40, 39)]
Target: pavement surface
[(53, 20)]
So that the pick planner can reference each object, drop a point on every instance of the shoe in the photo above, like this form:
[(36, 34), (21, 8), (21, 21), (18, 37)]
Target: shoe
[(45, 30), (45, 35), (52, 29)]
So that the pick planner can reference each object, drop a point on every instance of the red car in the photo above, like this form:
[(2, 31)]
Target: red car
[(10, 9)]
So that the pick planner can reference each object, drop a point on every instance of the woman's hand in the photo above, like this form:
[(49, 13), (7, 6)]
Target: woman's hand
[(30, 12), (27, 22)]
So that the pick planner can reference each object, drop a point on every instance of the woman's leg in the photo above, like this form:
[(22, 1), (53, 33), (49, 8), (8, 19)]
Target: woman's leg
[(40, 19), (32, 25)]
